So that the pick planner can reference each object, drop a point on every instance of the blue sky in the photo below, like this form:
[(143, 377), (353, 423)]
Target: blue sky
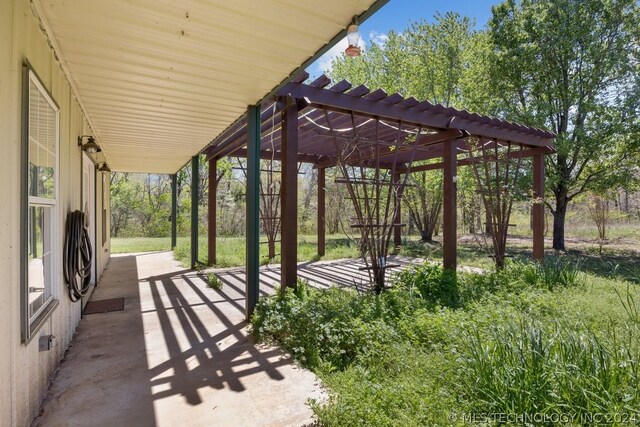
[(397, 14)]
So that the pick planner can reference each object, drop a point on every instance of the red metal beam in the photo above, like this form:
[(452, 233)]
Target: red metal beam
[(267, 155), (321, 211), (425, 141)]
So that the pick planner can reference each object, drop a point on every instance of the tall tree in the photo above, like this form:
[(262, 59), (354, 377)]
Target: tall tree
[(430, 61), (445, 62), (571, 66)]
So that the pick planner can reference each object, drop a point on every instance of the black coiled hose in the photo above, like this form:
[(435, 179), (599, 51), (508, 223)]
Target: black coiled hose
[(77, 256)]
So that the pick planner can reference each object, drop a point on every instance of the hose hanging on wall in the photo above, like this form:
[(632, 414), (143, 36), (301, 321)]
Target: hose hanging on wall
[(77, 256)]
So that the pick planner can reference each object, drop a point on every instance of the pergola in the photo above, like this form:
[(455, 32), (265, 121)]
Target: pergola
[(309, 122)]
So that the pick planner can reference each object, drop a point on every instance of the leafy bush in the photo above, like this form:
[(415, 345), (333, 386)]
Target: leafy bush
[(214, 282), (437, 345), (405, 386), (330, 327), (554, 272), (436, 286), (426, 328)]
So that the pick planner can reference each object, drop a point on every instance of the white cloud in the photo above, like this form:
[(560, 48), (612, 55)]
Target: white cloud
[(378, 38)]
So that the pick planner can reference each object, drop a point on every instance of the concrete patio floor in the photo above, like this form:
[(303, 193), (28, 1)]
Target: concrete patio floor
[(180, 354)]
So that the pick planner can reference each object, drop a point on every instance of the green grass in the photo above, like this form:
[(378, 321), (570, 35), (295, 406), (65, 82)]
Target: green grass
[(231, 250), (121, 245), (613, 262), (531, 340)]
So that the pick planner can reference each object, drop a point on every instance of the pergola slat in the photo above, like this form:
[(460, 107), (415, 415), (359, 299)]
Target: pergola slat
[(393, 99), (341, 86), (321, 81), (359, 91), (376, 95), (409, 102), (300, 77)]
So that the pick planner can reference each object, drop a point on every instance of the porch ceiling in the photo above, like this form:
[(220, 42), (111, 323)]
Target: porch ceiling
[(159, 79)]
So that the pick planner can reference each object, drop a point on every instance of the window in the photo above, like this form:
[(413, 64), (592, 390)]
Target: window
[(40, 189)]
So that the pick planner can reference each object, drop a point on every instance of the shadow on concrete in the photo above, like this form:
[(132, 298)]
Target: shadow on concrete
[(218, 360), (345, 273), (104, 379), (180, 353)]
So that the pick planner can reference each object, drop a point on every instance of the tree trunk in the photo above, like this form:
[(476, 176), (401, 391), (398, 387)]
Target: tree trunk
[(558, 224), (272, 249), (560, 191), (378, 274), (487, 223)]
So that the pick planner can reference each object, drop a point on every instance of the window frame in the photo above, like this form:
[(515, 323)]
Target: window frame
[(104, 208), (31, 324)]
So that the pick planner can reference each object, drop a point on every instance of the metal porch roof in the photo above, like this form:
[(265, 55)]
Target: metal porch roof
[(159, 79)]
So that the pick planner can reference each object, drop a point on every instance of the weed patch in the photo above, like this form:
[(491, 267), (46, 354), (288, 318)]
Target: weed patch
[(530, 339)]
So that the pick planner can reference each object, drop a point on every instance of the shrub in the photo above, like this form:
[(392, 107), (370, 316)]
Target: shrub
[(518, 275), (560, 272), (426, 328), (319, 327), (436, 286), (214, 282), (438, 345)]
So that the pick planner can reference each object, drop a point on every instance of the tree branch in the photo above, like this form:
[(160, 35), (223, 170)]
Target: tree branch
[(586, 182)]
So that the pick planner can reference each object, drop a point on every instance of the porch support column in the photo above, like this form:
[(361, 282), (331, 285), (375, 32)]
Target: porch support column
[(538, 207), (289, 202), (174, 210), (211, 212), (195, 180), (321, 211), (397, 206), (449, 232), (253, 210)]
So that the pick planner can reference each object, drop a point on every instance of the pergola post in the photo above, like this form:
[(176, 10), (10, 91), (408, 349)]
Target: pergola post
[(397, 205), (449, 208), (195, 180), (253, 210), (211, 213), (321, 211), (289, 202), (174, 211), (538, 207)]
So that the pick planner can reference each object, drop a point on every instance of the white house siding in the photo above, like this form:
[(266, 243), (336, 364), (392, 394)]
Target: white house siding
[(25, 372)]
